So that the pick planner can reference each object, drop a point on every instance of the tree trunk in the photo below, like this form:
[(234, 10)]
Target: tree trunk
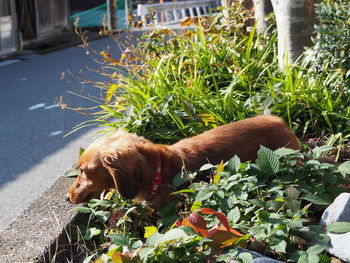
[(295, 19), (261, 9)]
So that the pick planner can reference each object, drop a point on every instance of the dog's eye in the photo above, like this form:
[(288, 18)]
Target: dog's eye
[(81, 170)]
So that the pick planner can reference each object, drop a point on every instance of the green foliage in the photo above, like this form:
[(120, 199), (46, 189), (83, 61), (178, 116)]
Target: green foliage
[(332, 43), (271, 202), (173, 85), (329, 61)]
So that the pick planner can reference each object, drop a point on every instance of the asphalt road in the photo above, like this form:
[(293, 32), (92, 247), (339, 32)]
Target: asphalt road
[(33, 149)]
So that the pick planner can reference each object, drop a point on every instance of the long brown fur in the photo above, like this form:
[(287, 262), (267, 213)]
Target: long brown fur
[(128, 162)]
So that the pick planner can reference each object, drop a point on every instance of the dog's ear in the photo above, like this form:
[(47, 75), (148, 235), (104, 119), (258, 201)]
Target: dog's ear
[(126, 174)]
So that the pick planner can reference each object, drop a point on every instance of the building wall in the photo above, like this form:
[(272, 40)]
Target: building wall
[(51, 14), (8, 32)]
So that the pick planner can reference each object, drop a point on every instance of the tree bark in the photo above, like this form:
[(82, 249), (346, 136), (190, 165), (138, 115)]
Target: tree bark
[(261, 9), (295, 19)]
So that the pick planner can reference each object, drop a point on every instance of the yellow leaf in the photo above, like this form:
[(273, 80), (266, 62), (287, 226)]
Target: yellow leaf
[(110, 92), (149, 230), (217, 176), (118, 257), (220, 167), (209, 120), (187, 21)]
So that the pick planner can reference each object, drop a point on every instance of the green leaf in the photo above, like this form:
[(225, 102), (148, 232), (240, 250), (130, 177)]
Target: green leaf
[(344, 168), (331, 178), (206, 167), (279, 246), (315, 199), (91, 232), (224, 258), (291, 199), (285, 151), (316, 249), (321, 151), (313, 258), (339, 227), (303, 259), (83, 209), (173, 234), (184, 191), (292, 192), (137, 244), (71, 173), (145, 252), (196, 205), (81, 151), (324, 258), (246, 257), (267, 161), (258, 203), (120, 239), (234, 164), (154, 239), (97, 202), (180, 179), (204, 194), (234, 215), (101, 215)]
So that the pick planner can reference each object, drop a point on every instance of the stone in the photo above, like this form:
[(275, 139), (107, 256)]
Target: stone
[(340, 246), (338, 211), (257, 257), (265, 260)]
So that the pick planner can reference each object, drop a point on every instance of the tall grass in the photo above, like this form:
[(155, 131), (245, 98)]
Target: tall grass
[(172, 85)]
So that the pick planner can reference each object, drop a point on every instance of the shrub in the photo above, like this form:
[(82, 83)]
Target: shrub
[(332, 43)]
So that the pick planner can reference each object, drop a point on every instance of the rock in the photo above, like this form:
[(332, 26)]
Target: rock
[(257, 257), (265, 260), (338, 211), (340, 246)]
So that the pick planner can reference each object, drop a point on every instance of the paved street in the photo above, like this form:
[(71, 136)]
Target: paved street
[(33, 149)]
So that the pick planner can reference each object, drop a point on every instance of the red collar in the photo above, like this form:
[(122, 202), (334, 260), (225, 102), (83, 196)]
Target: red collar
[(157, 181)]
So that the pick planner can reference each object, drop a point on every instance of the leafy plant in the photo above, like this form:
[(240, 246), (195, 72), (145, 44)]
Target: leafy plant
[(173, 85), (332, 43), (271, 206)]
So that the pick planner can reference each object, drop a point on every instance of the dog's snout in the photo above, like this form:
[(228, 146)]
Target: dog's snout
[(66, 197)]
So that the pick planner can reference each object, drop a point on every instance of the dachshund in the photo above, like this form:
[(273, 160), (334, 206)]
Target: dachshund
[(143, 171)]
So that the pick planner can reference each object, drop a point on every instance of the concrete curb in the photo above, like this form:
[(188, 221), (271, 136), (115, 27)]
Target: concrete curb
[(42, 232)]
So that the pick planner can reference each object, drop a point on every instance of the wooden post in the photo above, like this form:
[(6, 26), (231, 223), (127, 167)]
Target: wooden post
[(112, 14)]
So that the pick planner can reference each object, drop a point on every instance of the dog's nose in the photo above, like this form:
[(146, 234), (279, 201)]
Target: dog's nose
[(67, 197)]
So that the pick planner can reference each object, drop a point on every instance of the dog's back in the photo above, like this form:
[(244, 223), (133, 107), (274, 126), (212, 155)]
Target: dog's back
[(242, 138)]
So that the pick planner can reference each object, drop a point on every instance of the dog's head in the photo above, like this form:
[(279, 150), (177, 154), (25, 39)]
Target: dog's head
[(115, 161)]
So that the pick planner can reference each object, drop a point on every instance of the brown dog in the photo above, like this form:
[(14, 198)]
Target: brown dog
[(142, 170)]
